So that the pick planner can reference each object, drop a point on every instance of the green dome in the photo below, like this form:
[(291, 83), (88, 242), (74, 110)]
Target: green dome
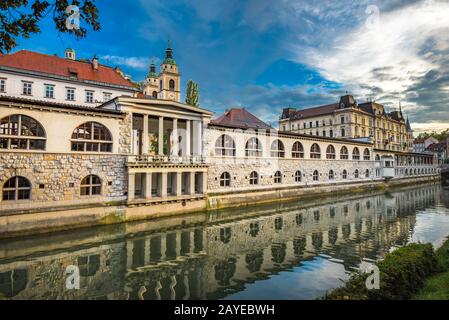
[(169, 61), (152, 75)]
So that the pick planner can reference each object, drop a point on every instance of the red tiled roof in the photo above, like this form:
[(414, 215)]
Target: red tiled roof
[(240, 118), (54, 65)]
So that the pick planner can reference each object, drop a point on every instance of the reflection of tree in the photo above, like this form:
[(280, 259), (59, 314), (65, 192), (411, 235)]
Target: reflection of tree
[(278, 252), (13, 282), (254, 261), (333, 235), (224, 271), (317, 240), (299, 245), (346, 231)]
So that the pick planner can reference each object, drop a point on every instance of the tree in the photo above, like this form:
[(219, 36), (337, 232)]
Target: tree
[(192, 95), (20, 18)]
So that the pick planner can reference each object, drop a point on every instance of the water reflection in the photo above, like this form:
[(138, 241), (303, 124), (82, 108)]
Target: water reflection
[(286, 251)]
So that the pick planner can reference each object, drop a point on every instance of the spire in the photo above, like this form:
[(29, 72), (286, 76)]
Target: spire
[(408, 126), (169, 54), (152, 73)]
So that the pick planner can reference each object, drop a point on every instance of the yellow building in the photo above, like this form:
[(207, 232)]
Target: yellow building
[(350, 120), (166, 84)]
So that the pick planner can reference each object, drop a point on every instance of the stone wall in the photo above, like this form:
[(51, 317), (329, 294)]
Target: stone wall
[(56, 178)]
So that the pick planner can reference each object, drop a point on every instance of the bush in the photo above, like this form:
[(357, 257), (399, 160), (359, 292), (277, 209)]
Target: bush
[(402, 273)]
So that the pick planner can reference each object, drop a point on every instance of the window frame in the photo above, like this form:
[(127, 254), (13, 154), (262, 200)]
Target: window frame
[(253, 148), (225, 180), (15, 133), (16, 189), (313, 153), (90, 186), (279, 150), (223, 149), (102, 145), (331, 154), (277, 178), (298, 152), (254, 178)]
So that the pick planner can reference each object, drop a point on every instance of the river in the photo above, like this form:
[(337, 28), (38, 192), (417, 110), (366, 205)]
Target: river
[(292, 250)]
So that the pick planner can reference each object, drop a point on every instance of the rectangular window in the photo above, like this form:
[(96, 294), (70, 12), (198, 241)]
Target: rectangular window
[(2, 85), (107, 96), (342, 120), (343, 132), (305, 125), (27, 88), (49, 91), (89, 96), (70, 94), (331, 133)]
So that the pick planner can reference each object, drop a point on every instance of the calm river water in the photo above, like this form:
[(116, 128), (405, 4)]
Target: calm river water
[(295, 250)]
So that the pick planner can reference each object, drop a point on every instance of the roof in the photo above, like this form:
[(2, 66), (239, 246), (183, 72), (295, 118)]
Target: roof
[(310, 112), (56, 105), (240, 118), (57, 66), (437, 147)]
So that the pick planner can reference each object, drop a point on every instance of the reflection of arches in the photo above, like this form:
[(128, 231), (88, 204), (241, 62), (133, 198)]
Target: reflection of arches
[(299, 245), (225, 235), (278, 252), (317, 240), (89, 265), (13, 282), (224, 271), (254, 261), (333, 235)]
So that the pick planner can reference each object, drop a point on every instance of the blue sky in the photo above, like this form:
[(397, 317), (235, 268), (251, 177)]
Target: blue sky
[(265, 55)]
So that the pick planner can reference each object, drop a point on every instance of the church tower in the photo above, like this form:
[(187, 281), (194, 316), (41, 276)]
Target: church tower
[(151, 88), (169, 77)]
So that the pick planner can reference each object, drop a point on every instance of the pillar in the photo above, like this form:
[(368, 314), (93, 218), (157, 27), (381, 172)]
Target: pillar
[(161, 136), (163, 246), (148, 184), (178, 184), (164, 184), (187, 140), (192, 183), (204, 183), (175, 146), (197, 138), (145, 140), (131, 186)]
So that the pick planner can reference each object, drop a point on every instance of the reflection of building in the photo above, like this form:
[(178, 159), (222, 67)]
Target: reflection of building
[(198, 258)]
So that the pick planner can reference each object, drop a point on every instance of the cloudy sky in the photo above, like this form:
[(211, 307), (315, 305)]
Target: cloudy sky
[(265, 55)]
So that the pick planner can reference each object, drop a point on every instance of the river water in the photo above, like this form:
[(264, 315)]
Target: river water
[(294, 250)]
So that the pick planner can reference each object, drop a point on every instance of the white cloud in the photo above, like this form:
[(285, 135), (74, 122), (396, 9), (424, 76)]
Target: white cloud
[(392, 56), (139, 63)]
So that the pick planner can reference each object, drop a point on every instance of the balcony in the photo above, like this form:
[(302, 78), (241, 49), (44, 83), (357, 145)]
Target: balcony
[(155, 159)]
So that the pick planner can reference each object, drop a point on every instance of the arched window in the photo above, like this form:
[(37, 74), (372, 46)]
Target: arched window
[(356, 173), (366, 155), (171, 85), (297, 150), (277, 149), (254, 178), (316, 175), (16, 188), (367, 174), (154, 94), (298, 176), (377, 157), (225, 146), (344, 174), (92, 137), (253, 148), (91, 186), (331, 175), (330, 152), (315, 152), (278, 177), (225, 179), (21, 132), (344, 154), (355, 154)]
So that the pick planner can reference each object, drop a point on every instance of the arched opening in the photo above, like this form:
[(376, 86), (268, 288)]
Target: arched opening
[(91, 186), (225, 179), (21, 132), (91, 137), (298, 150), (344, 154), (225, 146), (277, 149), (16, 188), (254, 178), (331, 175), (315, 151), (316, 175), (154, 94), (355, 154), (253, 148), (356, 173), (298, 176), (366, 155), (171, 85), (278, 177), (330, 152), (344, 175)]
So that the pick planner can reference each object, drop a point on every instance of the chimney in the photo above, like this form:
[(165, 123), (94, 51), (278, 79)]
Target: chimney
[(119, 71), (69, 54), (95, 62)]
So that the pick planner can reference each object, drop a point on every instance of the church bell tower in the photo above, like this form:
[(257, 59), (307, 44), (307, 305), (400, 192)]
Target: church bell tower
[(169, 77)]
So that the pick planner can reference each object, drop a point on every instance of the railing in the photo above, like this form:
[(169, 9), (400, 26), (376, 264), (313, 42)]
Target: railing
[(143, 159)]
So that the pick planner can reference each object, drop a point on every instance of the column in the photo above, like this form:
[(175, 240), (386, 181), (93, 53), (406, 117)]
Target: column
[(161, 136), (131, 186), (164, 185), (163, 246), (175, 146), (192, 183), (178, 184), (197, 138), (145, 140), (148, 185), (187, 140), (204, 182)]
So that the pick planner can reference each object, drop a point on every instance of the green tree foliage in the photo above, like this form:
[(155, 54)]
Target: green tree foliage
[(439, 136), (154, 145), (21, 18), (192, 94)]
